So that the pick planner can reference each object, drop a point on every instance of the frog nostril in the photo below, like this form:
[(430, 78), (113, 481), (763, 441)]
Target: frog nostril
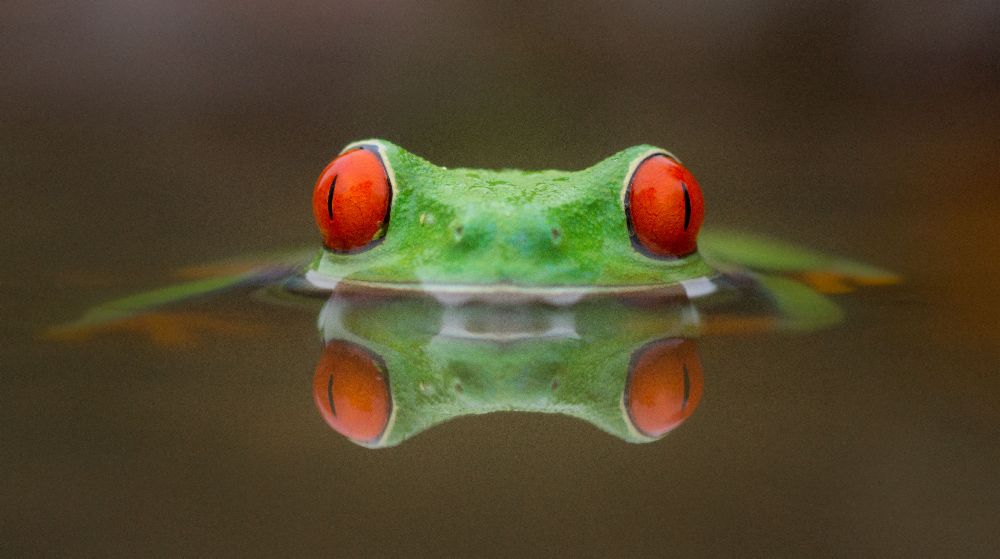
[(459, 230), (556, 235)]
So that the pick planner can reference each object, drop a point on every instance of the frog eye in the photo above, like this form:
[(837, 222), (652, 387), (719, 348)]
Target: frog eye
[(664, 386), (351, 200), (664, 208), (351, 390)]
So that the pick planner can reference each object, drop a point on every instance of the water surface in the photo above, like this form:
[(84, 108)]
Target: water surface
[(140, 141)]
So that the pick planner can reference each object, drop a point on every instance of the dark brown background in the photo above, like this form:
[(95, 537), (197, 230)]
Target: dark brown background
[(140, 137)]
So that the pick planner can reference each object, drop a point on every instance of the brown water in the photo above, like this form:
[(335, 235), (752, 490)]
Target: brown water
[(139, 139)]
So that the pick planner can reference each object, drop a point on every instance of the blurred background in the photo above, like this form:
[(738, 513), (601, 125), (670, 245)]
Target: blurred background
[(141, 137)]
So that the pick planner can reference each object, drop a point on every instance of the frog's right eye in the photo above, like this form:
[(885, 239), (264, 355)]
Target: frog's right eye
[(351, 200), (351, 390), (664, 386), (664, 207)]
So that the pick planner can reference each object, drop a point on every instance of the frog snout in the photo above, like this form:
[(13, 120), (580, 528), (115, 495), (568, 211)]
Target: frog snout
[(531, 237), (525, 235), (539, 236)]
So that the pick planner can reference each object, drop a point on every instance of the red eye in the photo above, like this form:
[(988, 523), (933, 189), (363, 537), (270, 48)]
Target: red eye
[(352, 392), (664, 386), (351, 201), (664, 208)]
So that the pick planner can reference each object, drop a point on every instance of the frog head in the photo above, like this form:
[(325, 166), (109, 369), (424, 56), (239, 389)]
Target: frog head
[(392, 219)]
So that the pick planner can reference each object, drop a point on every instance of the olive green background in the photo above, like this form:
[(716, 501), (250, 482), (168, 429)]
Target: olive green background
[(140, 137)]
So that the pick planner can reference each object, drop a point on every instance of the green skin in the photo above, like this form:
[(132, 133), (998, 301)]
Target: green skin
[(490, 229), (534, 232)]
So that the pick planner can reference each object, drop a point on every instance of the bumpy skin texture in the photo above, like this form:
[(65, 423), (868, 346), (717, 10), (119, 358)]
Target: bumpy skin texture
[(522, 228)]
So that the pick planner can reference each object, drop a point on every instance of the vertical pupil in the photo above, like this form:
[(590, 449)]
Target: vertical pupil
[(329, 198), (687, 387), (687, 204), (329, 395)]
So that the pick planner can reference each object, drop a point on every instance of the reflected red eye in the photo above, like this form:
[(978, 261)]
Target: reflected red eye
[(351, 201), (351, 390), (664, 386), (664, 207)]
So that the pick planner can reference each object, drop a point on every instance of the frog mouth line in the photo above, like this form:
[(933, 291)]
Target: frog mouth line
[(559, 295)]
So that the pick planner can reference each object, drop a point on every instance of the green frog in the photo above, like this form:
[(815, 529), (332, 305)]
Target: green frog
[(630, 225), (392, 220), (452, 292)]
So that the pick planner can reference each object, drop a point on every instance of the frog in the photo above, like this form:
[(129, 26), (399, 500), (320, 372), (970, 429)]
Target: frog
[(630, 225), (390, 219), (451, 292)]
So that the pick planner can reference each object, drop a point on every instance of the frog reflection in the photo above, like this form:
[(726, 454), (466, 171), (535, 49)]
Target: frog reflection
[(662, 388), (393, 367)]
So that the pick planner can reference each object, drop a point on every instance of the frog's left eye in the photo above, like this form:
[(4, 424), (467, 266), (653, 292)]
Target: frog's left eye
[(664, 207), (664, 386), (351, 201), (351, 390)]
